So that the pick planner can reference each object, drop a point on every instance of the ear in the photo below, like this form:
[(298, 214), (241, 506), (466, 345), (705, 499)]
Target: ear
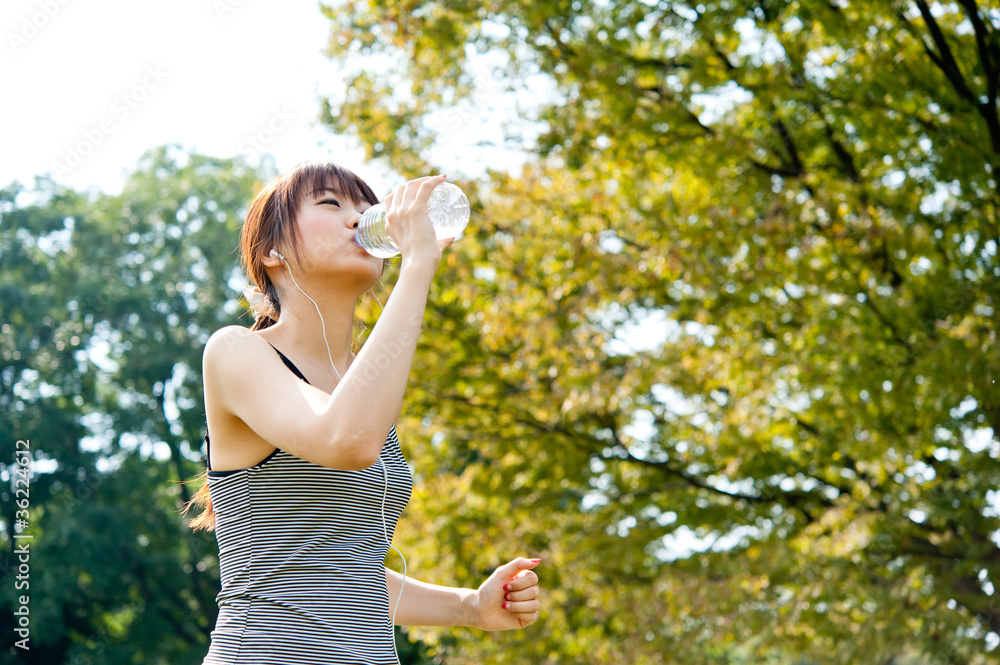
[(270, 260)]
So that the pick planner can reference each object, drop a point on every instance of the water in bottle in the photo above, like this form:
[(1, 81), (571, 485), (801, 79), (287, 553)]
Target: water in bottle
[(448, 208)]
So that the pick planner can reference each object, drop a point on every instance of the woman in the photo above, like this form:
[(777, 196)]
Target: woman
[(305, 477)]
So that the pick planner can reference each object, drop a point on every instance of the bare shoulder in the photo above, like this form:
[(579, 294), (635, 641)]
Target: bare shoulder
[(230, 353), (228, 341), (233, 394)]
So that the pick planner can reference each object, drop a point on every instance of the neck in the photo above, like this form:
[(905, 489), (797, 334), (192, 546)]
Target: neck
[(299, 333)]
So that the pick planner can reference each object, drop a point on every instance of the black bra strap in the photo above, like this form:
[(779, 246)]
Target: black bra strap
[(289, 365)]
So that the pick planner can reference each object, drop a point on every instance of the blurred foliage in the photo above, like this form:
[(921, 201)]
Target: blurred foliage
[(723, 349), (106, 302)]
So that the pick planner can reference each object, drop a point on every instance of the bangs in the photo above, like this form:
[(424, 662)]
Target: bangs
[(311, 177)]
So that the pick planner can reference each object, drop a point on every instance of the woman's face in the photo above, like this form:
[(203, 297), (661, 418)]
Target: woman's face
[(327, 221)]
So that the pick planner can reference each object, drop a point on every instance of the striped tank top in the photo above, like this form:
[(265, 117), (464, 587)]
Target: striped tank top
[(301, 552)]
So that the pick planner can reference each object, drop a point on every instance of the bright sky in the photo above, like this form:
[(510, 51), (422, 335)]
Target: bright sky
[(92, 85)]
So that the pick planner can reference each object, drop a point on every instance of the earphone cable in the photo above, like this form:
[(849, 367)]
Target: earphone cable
[(321, 322), (385, 534), (385, 472)]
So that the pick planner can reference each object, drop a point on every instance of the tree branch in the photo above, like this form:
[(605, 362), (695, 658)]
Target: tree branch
[(795, 168), (989, 59), (845, 157), (989, 52), (944, 58), (793, 152)]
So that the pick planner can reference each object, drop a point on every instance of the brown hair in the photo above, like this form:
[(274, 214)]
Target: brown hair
[(270, 221)]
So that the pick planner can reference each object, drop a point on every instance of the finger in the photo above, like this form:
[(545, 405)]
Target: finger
[(428, 185), (424, 187), (517, 565), (531, 593), (412, 189), (522, 580), (406, 192), (399, 194), (523, 607), (527, 619)]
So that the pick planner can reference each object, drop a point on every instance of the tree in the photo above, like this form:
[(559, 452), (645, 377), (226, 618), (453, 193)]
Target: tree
[(725, 348), (106, 303)]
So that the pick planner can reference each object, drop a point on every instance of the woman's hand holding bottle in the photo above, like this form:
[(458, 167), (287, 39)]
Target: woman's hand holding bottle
[(408, 221)]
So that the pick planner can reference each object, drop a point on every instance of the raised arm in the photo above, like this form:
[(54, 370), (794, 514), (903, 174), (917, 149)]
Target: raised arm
[(345, 429)]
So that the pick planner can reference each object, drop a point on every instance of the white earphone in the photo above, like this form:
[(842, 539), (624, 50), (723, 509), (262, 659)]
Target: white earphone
[(275, 253), (385, 473)]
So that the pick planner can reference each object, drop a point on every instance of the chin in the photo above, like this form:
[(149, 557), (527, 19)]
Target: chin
[(373, 278)]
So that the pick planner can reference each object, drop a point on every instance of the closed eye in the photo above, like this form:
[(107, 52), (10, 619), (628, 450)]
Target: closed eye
[(333, 201)]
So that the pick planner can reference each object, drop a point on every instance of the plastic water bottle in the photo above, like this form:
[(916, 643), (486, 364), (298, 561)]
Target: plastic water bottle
[(448, 208)]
